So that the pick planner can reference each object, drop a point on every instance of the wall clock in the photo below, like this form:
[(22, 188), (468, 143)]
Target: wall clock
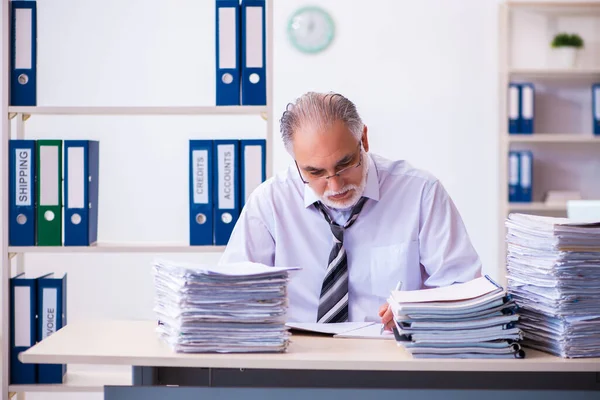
[(311, 29)]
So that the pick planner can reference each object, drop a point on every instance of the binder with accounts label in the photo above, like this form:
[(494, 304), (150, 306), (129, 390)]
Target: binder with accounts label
[(23, 328), (23, 57), (254, 80), (21, 224), (252, 166), (228, 52), (526, 176), (514, 108), (596, 107), (200, 192), (527, 108), (226, 194), (52, 316), (49, 192), (81, 192), (514, 162)]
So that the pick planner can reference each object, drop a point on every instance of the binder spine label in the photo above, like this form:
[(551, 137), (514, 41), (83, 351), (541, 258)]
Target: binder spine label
[(597, 102), (22, 314), (23, 38), (527, 102), (227, 38), (526, 171), (227, 182), (513, 103), (513, 170), (200, 171), (23, 177), (254, 37), (76, 177), (49, 176), (48, 313)]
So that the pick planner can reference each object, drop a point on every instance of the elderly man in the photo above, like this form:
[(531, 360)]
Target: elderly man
[(357, 224)]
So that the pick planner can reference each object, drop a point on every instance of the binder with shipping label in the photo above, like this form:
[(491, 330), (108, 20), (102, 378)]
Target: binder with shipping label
[(226, 194), (201, 192), (49, 192), (81, 192), (52, 316), (21, 167)]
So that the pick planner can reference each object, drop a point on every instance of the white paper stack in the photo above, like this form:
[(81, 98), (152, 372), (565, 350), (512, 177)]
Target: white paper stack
[(228, 308), (553, 267), (475, 319)]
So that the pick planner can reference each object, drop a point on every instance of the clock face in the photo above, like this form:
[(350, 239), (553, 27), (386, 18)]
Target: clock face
[(311, 29)]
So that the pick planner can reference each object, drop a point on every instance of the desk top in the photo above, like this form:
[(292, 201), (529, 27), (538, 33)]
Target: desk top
[(136, 343)]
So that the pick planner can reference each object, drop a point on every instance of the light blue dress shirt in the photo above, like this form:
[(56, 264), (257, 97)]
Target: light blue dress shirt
[(408, 231)]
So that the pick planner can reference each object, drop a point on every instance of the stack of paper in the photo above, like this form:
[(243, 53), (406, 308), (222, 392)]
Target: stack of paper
[(475, 319), (553, 267), (228, 308)]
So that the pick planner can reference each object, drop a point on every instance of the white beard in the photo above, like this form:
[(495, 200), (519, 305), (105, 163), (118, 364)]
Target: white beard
[(357, 193)]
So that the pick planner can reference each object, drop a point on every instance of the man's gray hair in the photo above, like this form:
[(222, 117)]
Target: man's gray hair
[(319, 111)]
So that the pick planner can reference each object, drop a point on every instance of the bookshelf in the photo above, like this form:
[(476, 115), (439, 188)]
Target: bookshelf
[(85, 381), (565, 150)]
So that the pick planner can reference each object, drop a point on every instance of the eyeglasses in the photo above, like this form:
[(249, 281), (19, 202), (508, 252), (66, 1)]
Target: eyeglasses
[(322, 179)]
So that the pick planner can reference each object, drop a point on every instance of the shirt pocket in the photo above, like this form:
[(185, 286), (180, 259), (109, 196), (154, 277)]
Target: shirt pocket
[(392, 264)]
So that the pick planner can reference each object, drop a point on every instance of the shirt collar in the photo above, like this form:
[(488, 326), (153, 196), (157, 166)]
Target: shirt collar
[(371, 188)]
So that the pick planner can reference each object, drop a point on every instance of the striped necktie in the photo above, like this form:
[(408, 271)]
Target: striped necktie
[(333, 303)]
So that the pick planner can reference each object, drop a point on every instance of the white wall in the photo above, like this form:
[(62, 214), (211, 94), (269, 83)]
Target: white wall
[(423, 75)]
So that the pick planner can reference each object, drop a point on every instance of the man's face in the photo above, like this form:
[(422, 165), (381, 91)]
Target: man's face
[(322, 155)]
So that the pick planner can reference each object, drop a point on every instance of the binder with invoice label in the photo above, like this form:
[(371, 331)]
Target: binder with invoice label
[(23, 58), (23, 328), (254, 79), (81, 192), (252, 166), (21, 192), (596, 107), (49, 192), (201, 192), (514, 180), (226, 194), (52, 316), (526, 176), (527, 108), (514, 108), (228, 52)]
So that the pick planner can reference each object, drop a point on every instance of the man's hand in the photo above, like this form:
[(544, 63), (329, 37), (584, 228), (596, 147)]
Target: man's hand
[(386, 317)]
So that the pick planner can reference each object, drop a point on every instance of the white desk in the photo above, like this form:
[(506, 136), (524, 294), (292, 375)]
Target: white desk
[(311, 361)]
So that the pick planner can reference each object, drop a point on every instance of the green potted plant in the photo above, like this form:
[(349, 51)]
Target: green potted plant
[(566, 47)]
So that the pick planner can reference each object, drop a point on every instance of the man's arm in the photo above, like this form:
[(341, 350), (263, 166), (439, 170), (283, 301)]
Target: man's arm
[(250, 239), (446, 252)]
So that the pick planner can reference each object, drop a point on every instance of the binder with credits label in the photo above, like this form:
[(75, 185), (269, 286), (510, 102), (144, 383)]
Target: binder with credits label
[(22, 193), (200, 192), (81, 192)]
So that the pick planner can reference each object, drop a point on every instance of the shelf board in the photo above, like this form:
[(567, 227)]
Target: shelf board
[(168, 110), (81, 381), (553, 138), (536, 206), (119, 248), (555, 72)]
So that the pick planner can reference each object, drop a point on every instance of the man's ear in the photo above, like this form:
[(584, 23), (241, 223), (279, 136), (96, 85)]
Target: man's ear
[(365, 139)]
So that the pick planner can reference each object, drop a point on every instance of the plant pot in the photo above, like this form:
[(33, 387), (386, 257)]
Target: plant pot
[(565, 57)]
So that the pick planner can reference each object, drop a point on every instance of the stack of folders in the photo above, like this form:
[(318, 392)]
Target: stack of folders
[(554, 277), (475, 319), (229, 308)]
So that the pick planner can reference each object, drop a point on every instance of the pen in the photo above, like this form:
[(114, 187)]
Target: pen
[(398, 287)]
